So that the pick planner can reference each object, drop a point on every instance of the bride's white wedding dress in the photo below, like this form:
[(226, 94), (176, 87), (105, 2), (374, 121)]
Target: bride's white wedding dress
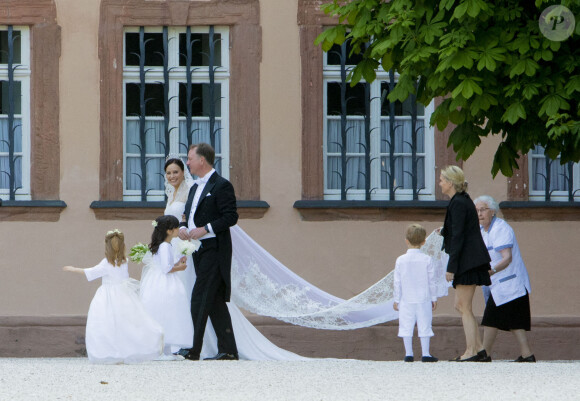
[(251, 344), (263, 285)]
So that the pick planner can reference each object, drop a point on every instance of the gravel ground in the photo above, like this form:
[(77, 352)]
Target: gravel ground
[(317, 379)]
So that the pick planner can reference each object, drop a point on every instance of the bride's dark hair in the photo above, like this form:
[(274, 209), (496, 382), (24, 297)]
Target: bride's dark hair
[(179, 162), (159, 235)]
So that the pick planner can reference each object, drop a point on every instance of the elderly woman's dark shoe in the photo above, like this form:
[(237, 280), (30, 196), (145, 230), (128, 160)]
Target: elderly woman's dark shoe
[(530, 358)]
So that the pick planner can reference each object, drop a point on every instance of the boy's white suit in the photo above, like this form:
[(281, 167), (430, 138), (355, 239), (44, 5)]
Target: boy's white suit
[(414, 286)]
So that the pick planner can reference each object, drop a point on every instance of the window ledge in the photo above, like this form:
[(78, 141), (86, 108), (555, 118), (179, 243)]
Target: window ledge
[(33, 210), (537, 211), (252, 209), (321, 210), (119, 210)]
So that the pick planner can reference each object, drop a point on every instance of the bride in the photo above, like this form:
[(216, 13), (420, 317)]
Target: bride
[(263, 285), (251, 344)]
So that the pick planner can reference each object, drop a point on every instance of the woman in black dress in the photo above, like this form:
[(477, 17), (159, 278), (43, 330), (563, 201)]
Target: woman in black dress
[(468, 257)]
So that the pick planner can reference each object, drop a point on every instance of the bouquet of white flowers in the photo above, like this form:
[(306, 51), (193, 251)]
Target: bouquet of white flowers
[(138, 252), (188, 247)]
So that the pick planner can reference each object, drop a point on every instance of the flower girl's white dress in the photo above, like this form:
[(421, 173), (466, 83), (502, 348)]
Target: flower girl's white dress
[(118, 327), (165, 298)]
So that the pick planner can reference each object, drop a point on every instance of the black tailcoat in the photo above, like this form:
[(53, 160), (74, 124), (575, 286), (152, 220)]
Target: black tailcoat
[(216, 206)]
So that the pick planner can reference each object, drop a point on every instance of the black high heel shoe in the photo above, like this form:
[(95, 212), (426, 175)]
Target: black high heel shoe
[(474, 358), (483, 357)]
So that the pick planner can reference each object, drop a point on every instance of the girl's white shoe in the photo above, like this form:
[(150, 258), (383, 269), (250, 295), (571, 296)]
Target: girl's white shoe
[(170, 357)]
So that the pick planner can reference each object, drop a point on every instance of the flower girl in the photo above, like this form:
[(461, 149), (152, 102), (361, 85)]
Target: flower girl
[(118, 327), (162, 292)]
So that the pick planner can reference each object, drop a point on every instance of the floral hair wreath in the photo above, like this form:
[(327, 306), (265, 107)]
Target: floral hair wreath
[(115, 231), (154, 223)]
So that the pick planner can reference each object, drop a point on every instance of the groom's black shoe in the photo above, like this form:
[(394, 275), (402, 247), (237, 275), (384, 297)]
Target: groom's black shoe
[(191, 356), (222, 356), (182, 352)]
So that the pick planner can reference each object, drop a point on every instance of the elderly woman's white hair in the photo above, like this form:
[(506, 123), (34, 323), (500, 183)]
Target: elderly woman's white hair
[(489, 201)]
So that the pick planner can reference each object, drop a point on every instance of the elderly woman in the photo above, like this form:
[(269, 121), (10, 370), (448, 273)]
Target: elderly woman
[(468, 264), (507, 301)]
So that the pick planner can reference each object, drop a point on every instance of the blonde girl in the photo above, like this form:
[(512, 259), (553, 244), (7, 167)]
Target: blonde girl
[(119, 330)]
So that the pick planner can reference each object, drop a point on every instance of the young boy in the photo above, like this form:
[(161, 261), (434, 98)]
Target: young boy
[(415, 296)]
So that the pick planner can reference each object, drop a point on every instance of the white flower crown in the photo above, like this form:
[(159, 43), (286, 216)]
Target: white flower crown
[(115, 231), (154, 223)]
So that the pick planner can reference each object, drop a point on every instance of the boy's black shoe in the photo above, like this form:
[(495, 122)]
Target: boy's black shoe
[(429, 358), (409, 359)]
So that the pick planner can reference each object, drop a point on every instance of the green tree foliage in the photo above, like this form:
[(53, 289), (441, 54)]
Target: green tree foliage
[(498, 73)]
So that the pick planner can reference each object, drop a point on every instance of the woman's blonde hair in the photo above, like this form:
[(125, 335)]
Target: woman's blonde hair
[(115, 247), (455, 176)]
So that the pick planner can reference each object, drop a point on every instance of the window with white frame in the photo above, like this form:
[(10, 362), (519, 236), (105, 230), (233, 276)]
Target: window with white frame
[(164, 111), (378, 166), (14, 113), (550, 180)]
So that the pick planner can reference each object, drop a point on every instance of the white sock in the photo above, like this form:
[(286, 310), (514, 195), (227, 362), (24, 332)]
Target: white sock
[(425, 345), (408, 341), (167, 350)]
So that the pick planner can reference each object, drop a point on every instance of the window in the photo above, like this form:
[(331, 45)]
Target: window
[(14, 113), (239, 50), (315, 202), (164, 112), (30, 150), (551, 181), (378, 165)]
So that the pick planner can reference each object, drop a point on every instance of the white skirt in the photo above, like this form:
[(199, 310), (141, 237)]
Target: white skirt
[(165, 299), (119, 330)]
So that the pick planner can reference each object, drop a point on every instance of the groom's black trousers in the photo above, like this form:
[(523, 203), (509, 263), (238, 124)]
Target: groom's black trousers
[(208, 300)]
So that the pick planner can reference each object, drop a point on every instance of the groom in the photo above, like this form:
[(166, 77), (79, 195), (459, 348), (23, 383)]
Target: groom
[(210, 211)]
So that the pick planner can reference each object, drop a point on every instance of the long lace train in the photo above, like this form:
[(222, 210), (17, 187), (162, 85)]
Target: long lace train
[(263, 285)]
